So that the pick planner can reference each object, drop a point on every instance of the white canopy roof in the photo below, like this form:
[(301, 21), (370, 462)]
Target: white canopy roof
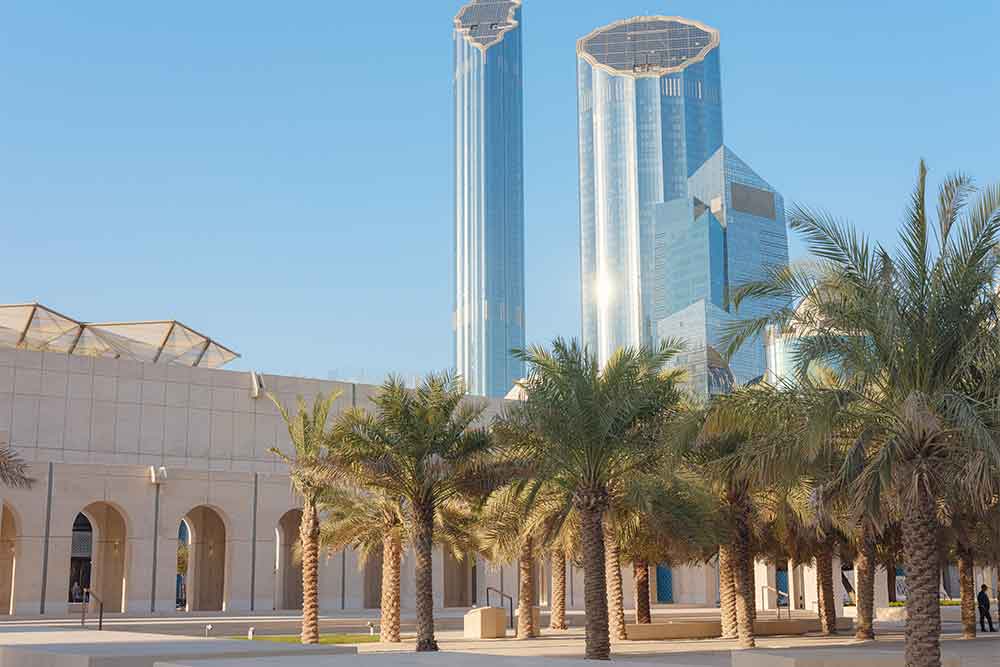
[(33, 326)]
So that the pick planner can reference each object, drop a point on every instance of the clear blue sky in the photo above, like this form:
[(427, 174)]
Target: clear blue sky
[(278, 175)]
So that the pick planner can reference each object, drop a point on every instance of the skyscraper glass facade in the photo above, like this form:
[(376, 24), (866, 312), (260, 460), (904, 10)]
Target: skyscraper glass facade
[(670, 219), (489, 195)]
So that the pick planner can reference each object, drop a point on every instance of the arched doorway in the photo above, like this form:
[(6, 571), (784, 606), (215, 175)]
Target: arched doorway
[(288, 563), (97, 556), (183, 565), (205, 579), (8, 559)]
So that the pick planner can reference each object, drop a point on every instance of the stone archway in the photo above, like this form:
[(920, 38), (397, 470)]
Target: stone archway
[(8, 559), (98, 557), (287, 563), (205, 579)]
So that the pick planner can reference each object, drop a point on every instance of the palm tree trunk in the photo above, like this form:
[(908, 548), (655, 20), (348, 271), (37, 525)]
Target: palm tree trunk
[(423, 521), (526, 591), (595, 593), (824, 576), (865, 567), (967, 586), (793, 587), (890, 578), (923, 579), (557, 615), (616, 597), (392, 555), (727, 592), (743, 574), (640, 572), (309, 534), (751, 579)]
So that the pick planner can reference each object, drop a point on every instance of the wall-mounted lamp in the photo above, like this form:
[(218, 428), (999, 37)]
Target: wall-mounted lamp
[(256, 385), (157, 475)]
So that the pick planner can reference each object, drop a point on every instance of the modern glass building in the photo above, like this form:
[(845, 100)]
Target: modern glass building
[(489, 195), (670, 219)]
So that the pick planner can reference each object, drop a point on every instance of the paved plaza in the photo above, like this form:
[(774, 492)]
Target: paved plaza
[(174, 642)]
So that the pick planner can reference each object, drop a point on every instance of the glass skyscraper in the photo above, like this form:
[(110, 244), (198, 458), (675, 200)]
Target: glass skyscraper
[(670, 218), (489, 196)]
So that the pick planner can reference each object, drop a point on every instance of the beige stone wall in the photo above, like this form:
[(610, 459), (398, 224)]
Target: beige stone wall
[(95, 426)]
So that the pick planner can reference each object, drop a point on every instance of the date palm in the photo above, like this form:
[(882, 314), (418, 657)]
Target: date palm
[(906, 330), (514, 527), (714, 453), (592, 426), (528, 518), (374, 524), (311, 476), (800, 440), (663, 518), (428, 447)]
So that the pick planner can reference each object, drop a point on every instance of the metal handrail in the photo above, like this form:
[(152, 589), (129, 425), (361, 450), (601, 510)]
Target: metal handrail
[(87, 594), (502, 596), (765, 589)]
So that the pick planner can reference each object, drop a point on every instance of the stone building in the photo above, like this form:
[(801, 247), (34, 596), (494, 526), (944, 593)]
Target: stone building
[(140, 445)]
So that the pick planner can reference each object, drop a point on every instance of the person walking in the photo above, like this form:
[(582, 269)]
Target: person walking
[(984, 609)]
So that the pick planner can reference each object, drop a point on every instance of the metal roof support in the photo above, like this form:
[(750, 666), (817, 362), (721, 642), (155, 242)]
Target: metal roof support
[(201, 356), (163, 344), (76, 340), (27, 326)]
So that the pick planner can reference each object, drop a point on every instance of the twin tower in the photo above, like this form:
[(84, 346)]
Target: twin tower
[(670, 218)]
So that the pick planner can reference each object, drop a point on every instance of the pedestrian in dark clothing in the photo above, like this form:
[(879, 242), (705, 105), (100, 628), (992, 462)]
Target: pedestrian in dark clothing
[(984, 609)]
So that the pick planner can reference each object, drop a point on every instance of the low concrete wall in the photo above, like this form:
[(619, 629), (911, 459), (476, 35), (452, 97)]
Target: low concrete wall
[(898, 614), (674, 630), (795, 626), (691, 629)]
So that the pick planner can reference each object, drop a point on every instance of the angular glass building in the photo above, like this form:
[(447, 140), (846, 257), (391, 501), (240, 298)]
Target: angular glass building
[(489, 195), (670, 219)]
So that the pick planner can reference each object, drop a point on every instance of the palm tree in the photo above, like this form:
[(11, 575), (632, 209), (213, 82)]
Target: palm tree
[(525, 519), (662, 518), (512, 529), (906, 331), (311, 475), (557, 602), (428, 448), (372, 523), (587, 427), (714, 452)]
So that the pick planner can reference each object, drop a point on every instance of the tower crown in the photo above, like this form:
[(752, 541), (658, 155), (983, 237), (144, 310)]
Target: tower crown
[(483, 23), (648, 45)]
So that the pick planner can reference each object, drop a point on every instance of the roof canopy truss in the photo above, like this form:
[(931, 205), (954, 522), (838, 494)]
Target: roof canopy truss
[(36, 327)]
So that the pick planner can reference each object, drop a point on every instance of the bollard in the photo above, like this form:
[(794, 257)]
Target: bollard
[(208, 629), (250, 633)]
